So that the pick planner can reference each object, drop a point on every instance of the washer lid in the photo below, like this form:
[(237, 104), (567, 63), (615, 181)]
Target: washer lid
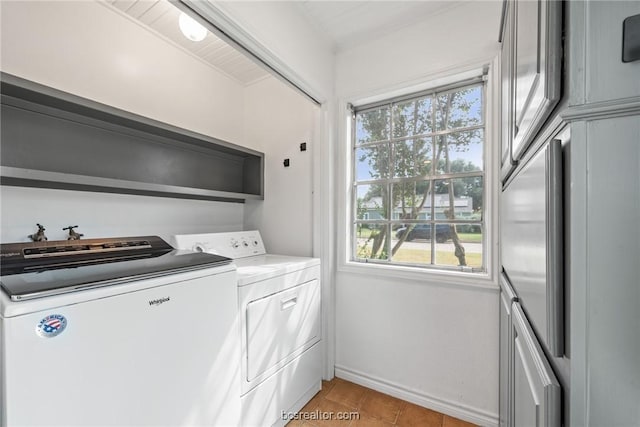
[(91, 272)]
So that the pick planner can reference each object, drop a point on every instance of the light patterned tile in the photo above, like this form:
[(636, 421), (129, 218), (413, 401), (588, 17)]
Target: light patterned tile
[(328, 407), (327, 386), (347, 393), (382, 406), (454, 422), (373, 409), (417, 416), (368, 421)]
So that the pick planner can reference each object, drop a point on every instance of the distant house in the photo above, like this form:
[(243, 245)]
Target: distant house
[(372, 208)]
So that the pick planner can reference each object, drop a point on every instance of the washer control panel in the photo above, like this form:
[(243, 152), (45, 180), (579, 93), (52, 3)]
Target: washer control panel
[(236, 244)]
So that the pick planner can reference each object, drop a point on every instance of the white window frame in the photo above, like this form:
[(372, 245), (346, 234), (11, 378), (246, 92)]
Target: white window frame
[(433, 276), (432, 178)]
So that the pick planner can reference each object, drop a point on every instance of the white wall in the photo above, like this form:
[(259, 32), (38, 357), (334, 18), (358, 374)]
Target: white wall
[(275, 30), (431, 343), (109, 215), (90, 50), (454, 39), (93, 51), (423, 339), (277, 120)]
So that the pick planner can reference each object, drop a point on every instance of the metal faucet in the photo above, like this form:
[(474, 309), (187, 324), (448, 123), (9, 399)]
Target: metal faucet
[(72, 233), (39, 236)]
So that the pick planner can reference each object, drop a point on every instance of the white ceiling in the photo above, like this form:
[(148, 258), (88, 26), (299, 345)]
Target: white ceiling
[(344, 23), (348, 23), (161, 17)]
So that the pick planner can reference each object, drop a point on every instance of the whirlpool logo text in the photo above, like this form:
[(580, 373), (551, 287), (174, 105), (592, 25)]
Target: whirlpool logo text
[(159, 301)]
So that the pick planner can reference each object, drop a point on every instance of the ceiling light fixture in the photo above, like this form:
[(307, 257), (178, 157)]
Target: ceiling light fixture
[(191, 28)]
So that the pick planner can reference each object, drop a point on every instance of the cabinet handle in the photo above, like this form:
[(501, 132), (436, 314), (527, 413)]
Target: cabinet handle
[(555, 247), (288, 303)]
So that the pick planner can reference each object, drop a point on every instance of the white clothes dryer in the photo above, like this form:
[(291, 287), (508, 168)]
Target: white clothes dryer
[(279, 310)]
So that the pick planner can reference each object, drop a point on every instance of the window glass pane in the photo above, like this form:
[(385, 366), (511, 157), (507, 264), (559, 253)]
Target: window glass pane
[(372, 125), (445, 201), (370, 241), (372, 162), (460, 152), (412, 157), (459, 244), (459, 109), (412, 118), (411, 244), (465, 202), (411, 232), (411, 200), (415, 162), (371, 201)]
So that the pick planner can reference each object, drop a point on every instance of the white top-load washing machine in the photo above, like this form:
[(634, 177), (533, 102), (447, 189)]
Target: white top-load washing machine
[(279, 306), (118, 331)]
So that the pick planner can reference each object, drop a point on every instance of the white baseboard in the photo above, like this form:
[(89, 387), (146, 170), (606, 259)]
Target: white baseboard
[(453, 409)]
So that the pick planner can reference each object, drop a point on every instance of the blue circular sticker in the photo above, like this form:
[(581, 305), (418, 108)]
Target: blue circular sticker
[(51, 325)]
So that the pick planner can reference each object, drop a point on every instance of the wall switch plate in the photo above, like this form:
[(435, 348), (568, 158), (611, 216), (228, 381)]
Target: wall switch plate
[(631, 39)]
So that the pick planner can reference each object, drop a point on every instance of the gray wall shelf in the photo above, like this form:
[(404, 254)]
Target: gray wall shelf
[(54, 139)]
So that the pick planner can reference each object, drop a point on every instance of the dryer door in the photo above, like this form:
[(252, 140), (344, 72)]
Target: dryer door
[(280, 325)]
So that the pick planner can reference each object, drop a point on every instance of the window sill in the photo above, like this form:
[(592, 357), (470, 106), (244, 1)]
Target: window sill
[(477, 281)]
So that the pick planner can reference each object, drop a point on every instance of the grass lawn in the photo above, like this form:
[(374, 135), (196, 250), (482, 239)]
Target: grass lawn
[(470, 237), (420, 256), (417, 256), (365, 233)]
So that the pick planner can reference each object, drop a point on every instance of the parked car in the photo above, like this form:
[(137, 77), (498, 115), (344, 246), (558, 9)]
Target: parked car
[(423, 231)]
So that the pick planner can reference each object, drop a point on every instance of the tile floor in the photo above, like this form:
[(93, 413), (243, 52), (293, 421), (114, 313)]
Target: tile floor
[(375, 409)]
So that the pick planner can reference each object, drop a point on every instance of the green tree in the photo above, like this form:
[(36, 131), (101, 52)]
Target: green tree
[(413, 156)]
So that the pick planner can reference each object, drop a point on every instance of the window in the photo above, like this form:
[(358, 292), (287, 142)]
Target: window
[(418, 180)]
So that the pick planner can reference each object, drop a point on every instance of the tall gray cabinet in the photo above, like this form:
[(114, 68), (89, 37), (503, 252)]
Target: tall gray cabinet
[(564, 82)]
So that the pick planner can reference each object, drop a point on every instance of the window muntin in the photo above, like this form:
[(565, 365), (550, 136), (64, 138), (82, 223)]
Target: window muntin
[(418, 181)]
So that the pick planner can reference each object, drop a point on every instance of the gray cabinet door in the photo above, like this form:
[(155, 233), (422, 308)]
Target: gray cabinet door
[(536, 391), (506, 63), (536, 68), (532, 241)]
